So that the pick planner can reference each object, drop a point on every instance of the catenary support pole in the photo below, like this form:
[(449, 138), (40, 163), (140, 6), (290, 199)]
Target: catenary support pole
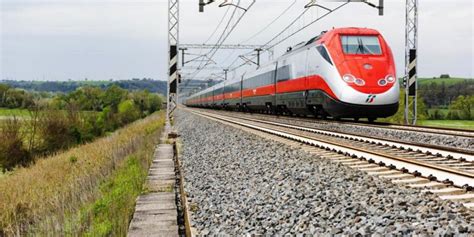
[(411, 48), (173, 41)]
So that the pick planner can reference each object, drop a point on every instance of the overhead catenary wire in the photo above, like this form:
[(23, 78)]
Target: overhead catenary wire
[(287, 37), (305, 26), (232, 29), (214, 32), (260, 31), (196, 72), (217, 27), (273, 38), (271, 23), (222, 39)]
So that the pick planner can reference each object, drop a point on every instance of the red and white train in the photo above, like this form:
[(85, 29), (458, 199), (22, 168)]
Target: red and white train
[(342, 73)]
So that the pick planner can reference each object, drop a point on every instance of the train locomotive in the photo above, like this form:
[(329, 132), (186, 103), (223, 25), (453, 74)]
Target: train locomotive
[(342, 73)]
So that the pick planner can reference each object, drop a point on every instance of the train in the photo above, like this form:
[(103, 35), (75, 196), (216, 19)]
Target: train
[(341, 73)]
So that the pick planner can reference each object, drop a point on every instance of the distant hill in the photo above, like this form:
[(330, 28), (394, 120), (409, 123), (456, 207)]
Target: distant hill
[(441, 92), (447, 81), (68, 86)]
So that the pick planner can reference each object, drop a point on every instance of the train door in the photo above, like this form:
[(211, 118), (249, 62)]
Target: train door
[(212, 97), (241, 88), (308, 70), (223, 95), (274, 96), (283, 75)]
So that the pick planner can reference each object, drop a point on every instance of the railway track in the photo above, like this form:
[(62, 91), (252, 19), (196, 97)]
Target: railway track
[(421, 129), (448, 173), (438, 150)]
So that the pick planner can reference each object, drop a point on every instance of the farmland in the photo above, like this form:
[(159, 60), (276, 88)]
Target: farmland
[(458, 124), (5, 112), (446, 81)]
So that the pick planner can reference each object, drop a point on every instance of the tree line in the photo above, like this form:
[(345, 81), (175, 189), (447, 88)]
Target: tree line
[(14, 98), (453, 101), (66, 120), (70, 85), (442, 95)]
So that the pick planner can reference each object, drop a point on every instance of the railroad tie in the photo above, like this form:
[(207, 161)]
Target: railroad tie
[(466, 196), (397, 175), (445, 191), (428, 185), (469, 205), (387, 172), (415, 180)]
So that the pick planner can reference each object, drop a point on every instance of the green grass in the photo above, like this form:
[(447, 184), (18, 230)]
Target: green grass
[(447, 81), (111, 213), (6, 112), (461, 124)]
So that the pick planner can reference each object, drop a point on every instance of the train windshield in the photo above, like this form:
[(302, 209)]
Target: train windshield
[(352, 44)]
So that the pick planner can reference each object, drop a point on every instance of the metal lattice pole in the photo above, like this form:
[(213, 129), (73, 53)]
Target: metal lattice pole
[(411, 46), (173, 41)]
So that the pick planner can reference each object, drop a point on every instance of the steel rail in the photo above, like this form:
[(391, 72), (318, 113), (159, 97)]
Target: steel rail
[(416, 128), (458, 177), (423, 148)]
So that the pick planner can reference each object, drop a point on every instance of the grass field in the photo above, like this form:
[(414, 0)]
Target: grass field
[(6, 112), (447, 81), (460, 124), (102, 177)]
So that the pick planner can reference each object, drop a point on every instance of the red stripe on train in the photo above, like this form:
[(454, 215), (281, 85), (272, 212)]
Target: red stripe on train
[(314, 82)]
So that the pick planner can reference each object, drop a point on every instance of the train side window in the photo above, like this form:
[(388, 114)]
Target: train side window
[(283, 73), (324, 53)]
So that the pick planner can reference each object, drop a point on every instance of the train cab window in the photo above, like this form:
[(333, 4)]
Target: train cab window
[(356, 44), (324, 53)]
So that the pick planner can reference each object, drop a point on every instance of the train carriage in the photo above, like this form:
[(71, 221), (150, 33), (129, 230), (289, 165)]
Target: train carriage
[(342, 73), (233, 93)]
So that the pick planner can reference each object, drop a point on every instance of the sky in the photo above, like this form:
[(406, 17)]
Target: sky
[(122, 39)]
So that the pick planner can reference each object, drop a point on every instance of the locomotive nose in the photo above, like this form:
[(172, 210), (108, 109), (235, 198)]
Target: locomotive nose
[(372, 71)]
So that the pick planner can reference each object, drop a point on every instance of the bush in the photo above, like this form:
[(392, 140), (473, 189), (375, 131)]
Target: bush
[(463, 106), (453, 115), (56, 131), (12, 151), (399, 117), (128, 112), (436, 115)]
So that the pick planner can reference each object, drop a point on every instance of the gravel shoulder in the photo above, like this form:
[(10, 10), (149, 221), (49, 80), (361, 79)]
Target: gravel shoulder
[(240, 183)]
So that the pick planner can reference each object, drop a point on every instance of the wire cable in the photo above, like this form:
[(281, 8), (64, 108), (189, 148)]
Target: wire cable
[(271, 23), (297, 31), (226, 36), (312, 22)]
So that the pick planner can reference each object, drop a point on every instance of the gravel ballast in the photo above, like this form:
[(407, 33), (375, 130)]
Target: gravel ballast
[(240, 183)]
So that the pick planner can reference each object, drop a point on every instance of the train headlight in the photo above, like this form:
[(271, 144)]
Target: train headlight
[(349, 78), (359, 82), (382, 82), (390, 79)]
